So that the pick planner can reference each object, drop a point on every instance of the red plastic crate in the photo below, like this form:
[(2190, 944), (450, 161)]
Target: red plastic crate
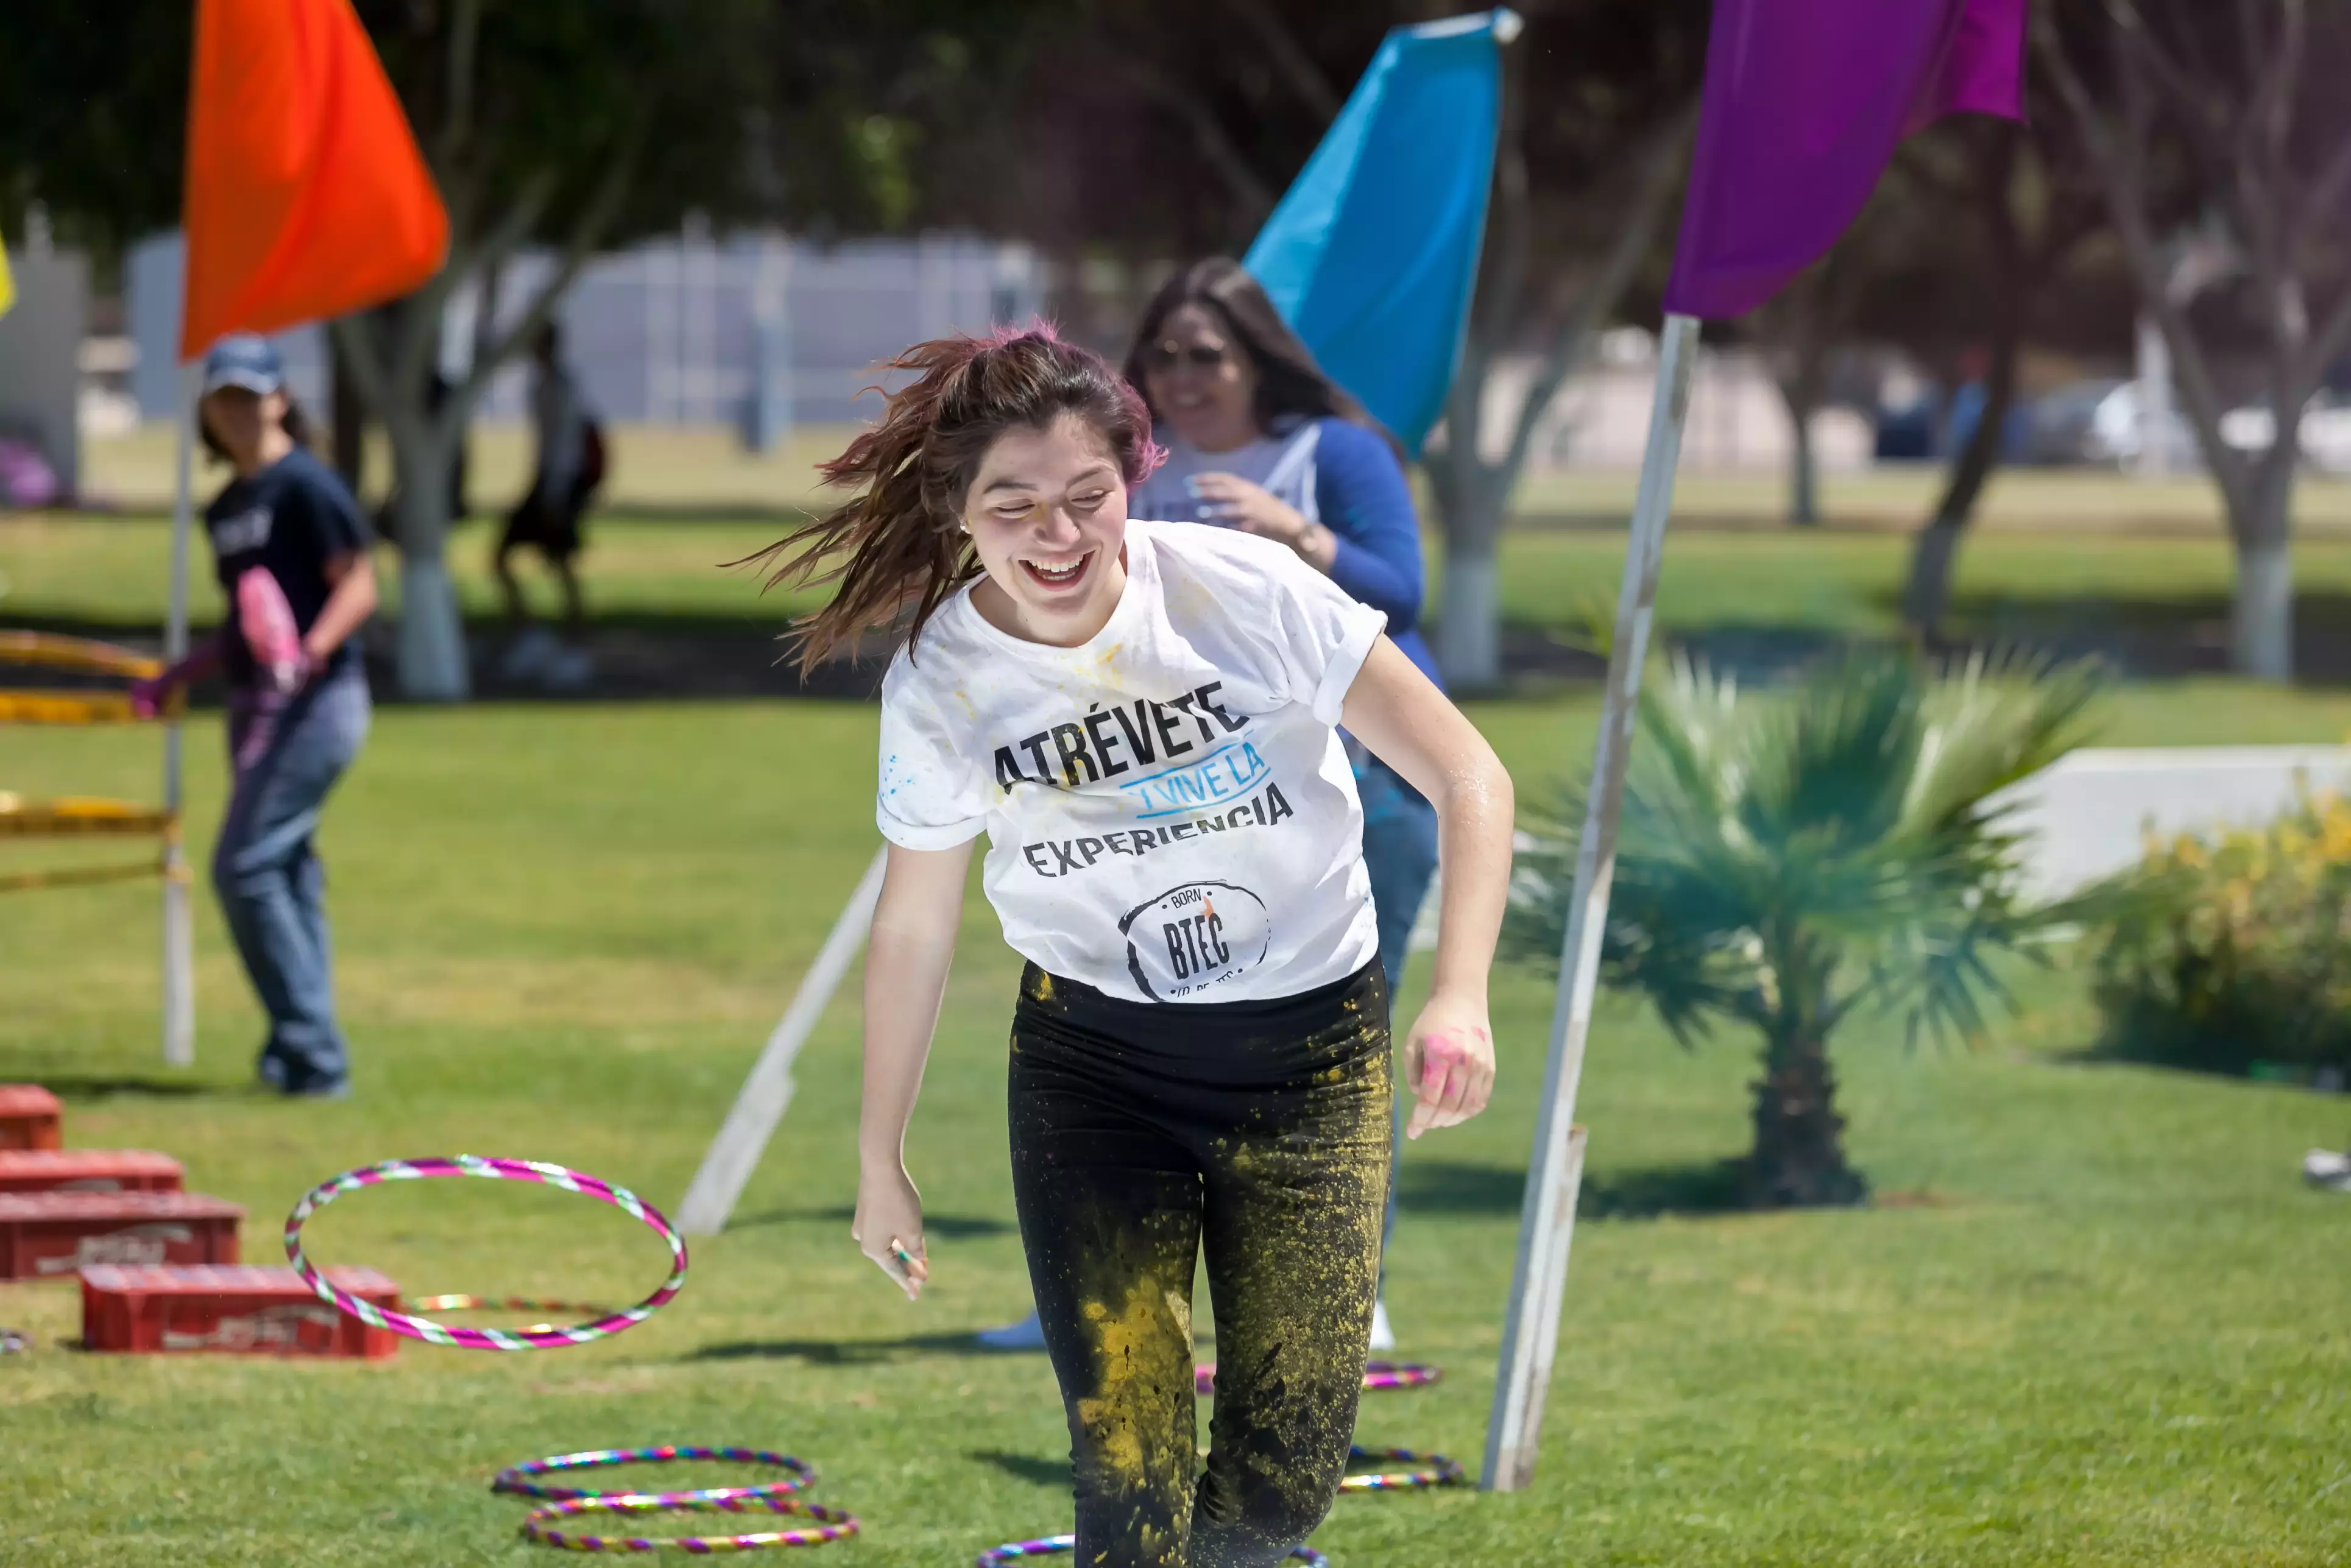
[(30, 1117), (48, 1235), (88, 1170), (234, 1309)]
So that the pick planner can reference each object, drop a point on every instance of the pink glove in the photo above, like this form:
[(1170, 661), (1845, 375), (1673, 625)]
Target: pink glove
[(270, 633), (147, 696)]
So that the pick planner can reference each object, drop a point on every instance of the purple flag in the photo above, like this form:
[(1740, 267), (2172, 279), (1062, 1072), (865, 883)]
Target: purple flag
[(1805, 101)]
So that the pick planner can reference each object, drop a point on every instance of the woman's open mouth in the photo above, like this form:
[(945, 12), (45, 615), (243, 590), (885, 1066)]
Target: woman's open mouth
[(1057, 573)]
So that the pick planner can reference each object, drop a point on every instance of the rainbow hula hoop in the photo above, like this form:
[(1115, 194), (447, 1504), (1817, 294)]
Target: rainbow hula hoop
[(1376, 1375), (831, 1523), (519, 1481), (1422, 1471), (1053, 1545), (431, 1332)]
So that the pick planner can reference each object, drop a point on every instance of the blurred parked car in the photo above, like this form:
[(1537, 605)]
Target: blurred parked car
[(1906, 432), (2121, 433), (2057, 425), (2325, 430), (2103, 422)]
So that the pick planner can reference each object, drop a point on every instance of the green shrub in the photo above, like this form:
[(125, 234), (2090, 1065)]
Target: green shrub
[(2237, 950)]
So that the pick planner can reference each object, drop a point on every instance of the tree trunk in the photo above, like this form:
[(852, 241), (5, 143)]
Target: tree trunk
[(1470, 496), (2261, 628), (1799, 1157), (1927, 599), (1803, 463), (350, 418), (1469, 632), (433, 662)]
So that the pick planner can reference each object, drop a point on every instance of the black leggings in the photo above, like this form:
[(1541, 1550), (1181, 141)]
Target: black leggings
[(1141, 1130)]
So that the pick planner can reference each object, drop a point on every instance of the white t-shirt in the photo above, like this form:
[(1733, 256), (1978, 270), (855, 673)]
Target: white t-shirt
[(1170, 814), (1281, 464)]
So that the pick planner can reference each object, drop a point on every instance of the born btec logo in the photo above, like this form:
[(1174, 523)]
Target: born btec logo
[(1194, 936)]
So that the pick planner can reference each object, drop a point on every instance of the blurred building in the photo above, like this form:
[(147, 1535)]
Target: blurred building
[(40, 356), (1600, 420), (756, 331)]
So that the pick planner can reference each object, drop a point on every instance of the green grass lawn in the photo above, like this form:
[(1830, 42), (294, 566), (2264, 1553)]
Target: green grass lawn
[(2100, 1323)]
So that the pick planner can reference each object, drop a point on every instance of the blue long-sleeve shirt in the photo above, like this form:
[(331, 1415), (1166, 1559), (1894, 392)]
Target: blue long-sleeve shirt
[(1362, 494)]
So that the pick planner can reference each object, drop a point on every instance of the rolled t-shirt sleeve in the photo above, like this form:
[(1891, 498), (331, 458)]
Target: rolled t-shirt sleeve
[(931, 794)]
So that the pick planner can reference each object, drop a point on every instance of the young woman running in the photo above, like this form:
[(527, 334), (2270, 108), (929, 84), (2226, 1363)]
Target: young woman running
[(1143, 719)]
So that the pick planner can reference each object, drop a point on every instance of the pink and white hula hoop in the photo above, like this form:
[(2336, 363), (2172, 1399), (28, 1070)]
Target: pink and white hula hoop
[(536, 1338)]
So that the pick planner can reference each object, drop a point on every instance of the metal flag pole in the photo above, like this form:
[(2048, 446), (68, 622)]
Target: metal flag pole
[(1547, 1220), (179, 947), (768, 1092)]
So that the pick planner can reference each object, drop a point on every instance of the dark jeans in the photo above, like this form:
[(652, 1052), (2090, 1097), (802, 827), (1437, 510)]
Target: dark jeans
[(1400, 853), (271, 886), (1144, 1135)]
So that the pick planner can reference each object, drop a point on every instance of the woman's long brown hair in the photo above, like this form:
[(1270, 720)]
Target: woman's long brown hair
[(899, 541)]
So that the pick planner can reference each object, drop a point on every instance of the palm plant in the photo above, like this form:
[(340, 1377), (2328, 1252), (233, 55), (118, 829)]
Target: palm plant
[(1786, 858)]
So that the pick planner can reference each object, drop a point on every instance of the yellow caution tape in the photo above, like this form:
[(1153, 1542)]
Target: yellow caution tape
[(75, 816), (82, 655), (78, 708), (82, 876)]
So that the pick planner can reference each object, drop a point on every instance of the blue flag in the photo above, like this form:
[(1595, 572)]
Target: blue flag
[(1372, 255)]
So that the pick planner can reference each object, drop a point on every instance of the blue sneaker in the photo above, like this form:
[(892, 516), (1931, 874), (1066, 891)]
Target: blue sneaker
[(1029, 1334)]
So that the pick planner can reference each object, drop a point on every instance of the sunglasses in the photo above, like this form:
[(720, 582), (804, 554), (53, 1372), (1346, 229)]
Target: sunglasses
[(1168, 354)]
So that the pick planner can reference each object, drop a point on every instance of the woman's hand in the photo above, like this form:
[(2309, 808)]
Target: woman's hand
[(149, 694), (1254, 510), (889, 1226), (152, 694), (1449, 1061)]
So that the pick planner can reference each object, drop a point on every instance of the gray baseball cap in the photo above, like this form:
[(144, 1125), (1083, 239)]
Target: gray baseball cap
[(243, 359)]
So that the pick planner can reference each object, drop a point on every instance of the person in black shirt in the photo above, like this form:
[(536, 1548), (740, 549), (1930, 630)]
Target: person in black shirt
[(295, 722)]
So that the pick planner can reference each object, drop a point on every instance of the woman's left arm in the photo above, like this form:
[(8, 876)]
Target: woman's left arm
[(1366, 505), (350, 600), (1399, 714)]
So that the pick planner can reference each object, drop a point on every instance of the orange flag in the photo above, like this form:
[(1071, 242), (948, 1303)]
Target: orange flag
[(306, 194)]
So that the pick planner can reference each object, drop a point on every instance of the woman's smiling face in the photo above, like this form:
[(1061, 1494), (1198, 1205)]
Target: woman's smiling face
[(1201, 381), (1046, 514)]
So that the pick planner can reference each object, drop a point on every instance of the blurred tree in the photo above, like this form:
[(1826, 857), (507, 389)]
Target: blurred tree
[(1599, 99), (2036, 212), (2246, 94), (566, 124), (1802, 326), (92, 128), (554, 122)]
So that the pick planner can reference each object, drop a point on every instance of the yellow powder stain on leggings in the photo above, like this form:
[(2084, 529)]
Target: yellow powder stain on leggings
[(1133, 1349)]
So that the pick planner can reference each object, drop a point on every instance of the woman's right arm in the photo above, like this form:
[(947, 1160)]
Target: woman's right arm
[(907, 959), (153, 694)]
